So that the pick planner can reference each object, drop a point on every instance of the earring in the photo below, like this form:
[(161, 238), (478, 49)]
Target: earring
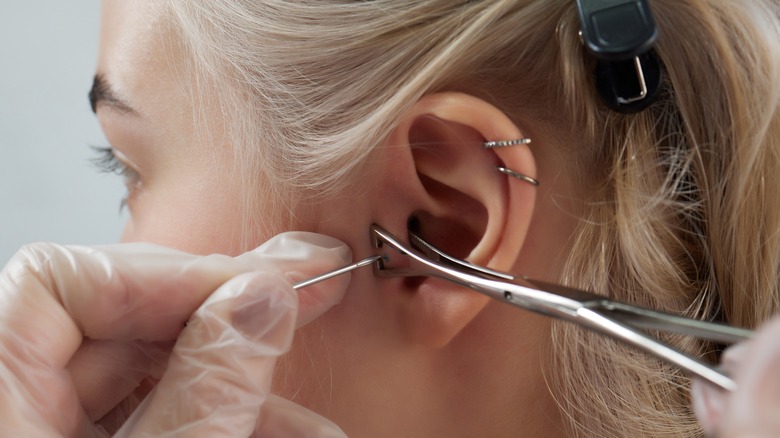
[(505, 143), (518, 175), (510, 172)]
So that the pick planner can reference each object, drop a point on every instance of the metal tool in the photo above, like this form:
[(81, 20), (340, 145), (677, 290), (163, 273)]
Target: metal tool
[(617, 320), (365, 262)]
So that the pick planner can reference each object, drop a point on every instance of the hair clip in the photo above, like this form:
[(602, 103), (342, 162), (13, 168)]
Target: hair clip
[(621, 35)]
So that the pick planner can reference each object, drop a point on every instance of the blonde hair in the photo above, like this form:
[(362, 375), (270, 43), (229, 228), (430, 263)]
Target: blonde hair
[(684, 214)]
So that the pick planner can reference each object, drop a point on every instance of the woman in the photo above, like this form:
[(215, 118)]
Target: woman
[(233, 120)]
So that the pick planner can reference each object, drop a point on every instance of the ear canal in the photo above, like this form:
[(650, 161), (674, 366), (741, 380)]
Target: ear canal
[(449, 234)]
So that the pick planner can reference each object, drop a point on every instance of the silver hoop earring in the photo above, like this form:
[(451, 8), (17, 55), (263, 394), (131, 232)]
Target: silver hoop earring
[(518, 175), (507, 171), (505, 143)]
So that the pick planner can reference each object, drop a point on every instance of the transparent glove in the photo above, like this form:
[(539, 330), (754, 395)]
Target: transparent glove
[(753, 410), (86, 333)]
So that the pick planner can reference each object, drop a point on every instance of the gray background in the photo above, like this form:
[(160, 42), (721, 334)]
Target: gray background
[(49, 191)]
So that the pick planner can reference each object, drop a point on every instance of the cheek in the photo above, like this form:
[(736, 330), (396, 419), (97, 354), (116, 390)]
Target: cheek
[(198, 221)]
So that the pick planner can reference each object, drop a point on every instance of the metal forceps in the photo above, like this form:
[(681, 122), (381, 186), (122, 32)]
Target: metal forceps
[(617, 320)]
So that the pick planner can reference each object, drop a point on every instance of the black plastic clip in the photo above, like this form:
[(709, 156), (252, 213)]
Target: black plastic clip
[(621, 34)]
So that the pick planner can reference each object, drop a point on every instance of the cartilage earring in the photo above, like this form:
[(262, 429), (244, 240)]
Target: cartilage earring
[(510, 172), (518, 175), (505, 143)]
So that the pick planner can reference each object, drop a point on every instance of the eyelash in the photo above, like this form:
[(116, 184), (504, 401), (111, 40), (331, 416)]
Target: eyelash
[(107, 162)]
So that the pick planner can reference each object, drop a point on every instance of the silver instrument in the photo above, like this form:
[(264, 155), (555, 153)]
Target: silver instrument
[(336, 272), (617, 320)]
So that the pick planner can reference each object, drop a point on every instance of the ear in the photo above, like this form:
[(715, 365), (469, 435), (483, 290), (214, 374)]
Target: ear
[(437, 179)]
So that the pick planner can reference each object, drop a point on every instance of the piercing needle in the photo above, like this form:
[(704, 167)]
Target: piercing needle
[(337, 272)]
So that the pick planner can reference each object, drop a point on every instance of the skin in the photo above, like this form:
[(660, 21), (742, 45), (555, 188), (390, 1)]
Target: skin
[(394, 358)]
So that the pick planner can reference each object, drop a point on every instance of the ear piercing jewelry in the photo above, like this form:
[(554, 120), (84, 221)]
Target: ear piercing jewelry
[(507, 171), (505, 143), (519, 176)]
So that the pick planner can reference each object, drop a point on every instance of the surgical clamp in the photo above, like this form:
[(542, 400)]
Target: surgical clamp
[(617, 320)]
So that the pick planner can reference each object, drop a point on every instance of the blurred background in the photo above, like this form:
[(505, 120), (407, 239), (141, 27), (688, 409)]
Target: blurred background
[(49, 190)]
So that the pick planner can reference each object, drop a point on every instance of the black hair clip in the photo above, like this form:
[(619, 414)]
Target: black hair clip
[(621, 34)]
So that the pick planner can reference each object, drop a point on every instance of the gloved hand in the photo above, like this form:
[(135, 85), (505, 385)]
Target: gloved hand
[(753, 410), (87, 332)]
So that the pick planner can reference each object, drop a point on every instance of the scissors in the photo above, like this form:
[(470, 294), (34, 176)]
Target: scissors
[(620, 321)]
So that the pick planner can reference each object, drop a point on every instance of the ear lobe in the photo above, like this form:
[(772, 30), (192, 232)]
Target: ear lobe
[(462, 204)]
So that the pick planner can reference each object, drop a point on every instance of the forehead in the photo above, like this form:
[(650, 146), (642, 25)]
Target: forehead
[(130, 31), (139, 54)]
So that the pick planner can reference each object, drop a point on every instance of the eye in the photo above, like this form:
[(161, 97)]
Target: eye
[(106, 161)]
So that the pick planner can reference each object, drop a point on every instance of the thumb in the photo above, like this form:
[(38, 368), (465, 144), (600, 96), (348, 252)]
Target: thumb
[(751, 409), (710, 403), (283, 418), (219, 374)]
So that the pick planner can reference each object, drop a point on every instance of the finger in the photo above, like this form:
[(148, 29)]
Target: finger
[(710, 403), (302, 255), (53, 295), (220, 370), (23, 405), (41, 287), (299, 255), (752, 409), (134, 291), (283, 418), (104, 372)]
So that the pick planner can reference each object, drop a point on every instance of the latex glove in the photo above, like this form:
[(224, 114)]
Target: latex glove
[(753, 410), (86, 332)]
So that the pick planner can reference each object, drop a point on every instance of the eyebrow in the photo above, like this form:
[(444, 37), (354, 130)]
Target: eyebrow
[(102, 94)]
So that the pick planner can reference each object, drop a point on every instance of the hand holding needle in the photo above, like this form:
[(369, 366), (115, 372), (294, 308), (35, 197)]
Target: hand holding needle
[(365, 262)]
